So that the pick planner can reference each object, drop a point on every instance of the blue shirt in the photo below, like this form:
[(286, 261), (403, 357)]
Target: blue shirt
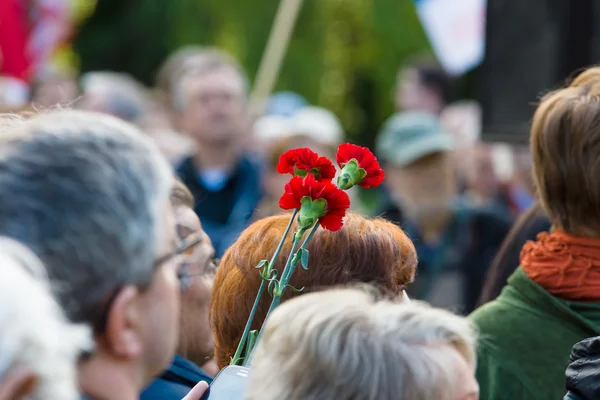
[(175, 382), (226, 209)]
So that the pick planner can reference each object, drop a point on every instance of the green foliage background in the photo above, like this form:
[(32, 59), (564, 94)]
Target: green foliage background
[(343, 56)]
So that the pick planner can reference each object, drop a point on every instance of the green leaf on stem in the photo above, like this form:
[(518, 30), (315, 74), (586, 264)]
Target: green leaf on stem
[(351, 175), (310, 212), (296, 258), (277, 289), (271, 287), (261, 263), (293, 289), (252, 336), (304, 257)]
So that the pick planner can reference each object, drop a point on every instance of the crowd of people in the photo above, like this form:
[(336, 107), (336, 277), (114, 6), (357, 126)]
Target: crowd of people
[(132, 220)]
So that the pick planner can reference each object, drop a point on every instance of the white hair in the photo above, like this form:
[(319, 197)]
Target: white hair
[(86, 193), (35, 334), (342, 344)]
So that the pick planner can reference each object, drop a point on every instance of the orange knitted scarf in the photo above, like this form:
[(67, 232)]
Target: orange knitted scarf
[(567, 266)]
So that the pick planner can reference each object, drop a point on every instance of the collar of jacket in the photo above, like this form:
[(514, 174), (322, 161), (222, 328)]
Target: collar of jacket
[(521, 290)]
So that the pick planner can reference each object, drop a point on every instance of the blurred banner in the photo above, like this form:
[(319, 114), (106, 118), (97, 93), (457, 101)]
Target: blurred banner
[(35, 35), (456, 30)]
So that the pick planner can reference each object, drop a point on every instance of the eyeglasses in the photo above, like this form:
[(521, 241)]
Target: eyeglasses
[(185, 245), (185, 276)]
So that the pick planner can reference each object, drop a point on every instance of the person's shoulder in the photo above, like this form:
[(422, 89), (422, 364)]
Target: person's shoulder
[(583, 369), (163, 389), (498, 315)]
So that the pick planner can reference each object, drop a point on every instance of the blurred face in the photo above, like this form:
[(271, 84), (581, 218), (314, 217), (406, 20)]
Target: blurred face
[(424, 187), (214, 109), (159, 304), (195, 340), (412, 95), (483, 176)]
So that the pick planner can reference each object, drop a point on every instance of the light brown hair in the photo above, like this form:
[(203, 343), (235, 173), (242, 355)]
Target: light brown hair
[(565, 144), (363, 251)]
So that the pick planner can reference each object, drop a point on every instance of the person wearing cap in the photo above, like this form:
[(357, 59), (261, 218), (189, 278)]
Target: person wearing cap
[(455, 241), (313, 127)]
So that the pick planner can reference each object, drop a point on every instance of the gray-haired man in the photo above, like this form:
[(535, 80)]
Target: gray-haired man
[(89, 194)]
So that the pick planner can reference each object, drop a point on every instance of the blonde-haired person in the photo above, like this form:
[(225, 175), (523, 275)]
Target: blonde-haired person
[(39, 348), (552, 300), (342, 344)]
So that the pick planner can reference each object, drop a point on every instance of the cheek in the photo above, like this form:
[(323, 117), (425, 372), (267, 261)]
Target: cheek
[(199, 293), (170, 291)]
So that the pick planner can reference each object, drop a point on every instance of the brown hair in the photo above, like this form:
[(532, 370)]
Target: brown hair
[(565, 144), (181, 195), (369, 251)]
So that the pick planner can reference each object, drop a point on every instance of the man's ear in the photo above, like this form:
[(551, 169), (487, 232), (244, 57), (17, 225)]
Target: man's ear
[(18, 384), (122, 334)]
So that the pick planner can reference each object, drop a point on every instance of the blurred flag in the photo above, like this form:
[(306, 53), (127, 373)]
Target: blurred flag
[(14, 30), (456, 30)]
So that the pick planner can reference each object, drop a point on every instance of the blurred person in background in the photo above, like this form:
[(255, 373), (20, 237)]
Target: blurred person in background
[(195, 345), (489, 179), (156, 123), (462, 120), (455, 241), (181, 59), (39, 348), (313, 127), (423, 85), (552, 300), (527, 227), (285, 104), (522, 188), (89, 195), (343, 344), (53, 87), (372, 251), (210, 105), (112, 93)]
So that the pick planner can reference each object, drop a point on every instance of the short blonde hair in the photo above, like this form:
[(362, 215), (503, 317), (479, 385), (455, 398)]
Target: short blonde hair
[(35, 334), (342, 344)]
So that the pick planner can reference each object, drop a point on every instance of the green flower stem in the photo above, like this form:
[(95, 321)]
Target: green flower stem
[(285, 278), (261, 289), (276, 296)]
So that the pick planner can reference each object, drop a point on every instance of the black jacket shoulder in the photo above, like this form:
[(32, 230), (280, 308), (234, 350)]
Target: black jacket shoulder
[(583, 372)]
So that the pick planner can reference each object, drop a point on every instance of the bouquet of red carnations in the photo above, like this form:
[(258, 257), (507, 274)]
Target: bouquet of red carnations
[(316, 202)]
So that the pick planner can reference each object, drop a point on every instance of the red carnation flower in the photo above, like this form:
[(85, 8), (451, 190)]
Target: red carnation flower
[(364, 171), (321, 201), (304, 161)]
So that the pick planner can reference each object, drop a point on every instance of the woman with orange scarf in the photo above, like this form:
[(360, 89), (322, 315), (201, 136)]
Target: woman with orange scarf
[(553, 300)]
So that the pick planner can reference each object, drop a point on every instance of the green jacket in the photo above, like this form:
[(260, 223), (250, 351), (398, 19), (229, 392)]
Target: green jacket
[(526, 336)]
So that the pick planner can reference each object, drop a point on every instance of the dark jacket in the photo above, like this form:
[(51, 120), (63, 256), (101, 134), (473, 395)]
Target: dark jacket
[(226, 212), (583, 372), (464, 253), (176, 382)]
